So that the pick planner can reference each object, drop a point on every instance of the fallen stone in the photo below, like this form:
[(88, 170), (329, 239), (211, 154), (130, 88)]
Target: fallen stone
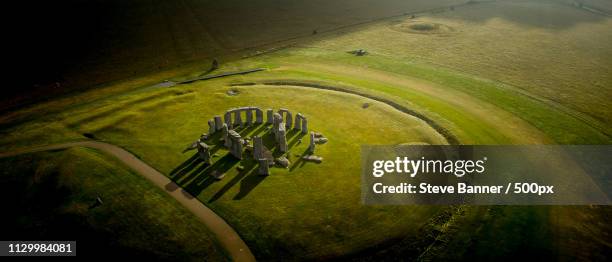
[(217, 175), (321, 140), (282, 162), (313, 158), (193, 146)]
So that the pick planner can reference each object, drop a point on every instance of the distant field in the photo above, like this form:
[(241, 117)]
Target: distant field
[(553, 51)]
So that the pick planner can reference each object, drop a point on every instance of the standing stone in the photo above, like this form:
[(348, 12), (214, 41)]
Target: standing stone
[(304, 125), (204, 152), (311, 146), (218, 122), (258, 116), (278, 119), (287, 117), (236, 146), (264, 167), (237, 117), (257, 147), (228, 118), (298, 121), (211, 127), (249, 116), (226, 141), (282, 139), (270, 116)]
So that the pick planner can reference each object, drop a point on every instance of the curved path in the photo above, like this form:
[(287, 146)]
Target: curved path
[(226, 235)]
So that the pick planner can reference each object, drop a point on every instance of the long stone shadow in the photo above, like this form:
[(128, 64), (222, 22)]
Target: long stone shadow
[(249, 183), (294, 139), (194, 176), (185, 168), (249, 165), (252, 130), (300, 162), (202, 178)]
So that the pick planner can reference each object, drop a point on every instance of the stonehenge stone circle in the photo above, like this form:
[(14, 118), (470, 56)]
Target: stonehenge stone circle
[(237, 115), (282, 121)]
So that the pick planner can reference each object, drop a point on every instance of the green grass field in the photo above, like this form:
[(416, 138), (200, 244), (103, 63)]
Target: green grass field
[(52, 196), (510, 72)]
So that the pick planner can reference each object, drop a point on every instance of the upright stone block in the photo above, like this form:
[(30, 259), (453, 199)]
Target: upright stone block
[(270, 116), (304, 125), (228, 118), (264, 167), (249, 117), (287, 117), (258, 116), (237, 118), (218, 122), (282, 139), (298, 121), (311, 146), (278, 119), (211, 127), (236, 146), (257, 147), (204, 152), (226, 140)]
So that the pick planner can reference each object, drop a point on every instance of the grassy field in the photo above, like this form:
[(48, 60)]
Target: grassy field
[(551, 50), (52, 196), (114, 40), (510, 72)]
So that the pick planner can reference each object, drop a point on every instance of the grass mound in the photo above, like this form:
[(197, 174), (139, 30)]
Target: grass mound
[(421, 27)]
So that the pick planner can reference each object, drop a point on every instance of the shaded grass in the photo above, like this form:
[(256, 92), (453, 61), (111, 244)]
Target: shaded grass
[(53, 196)]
